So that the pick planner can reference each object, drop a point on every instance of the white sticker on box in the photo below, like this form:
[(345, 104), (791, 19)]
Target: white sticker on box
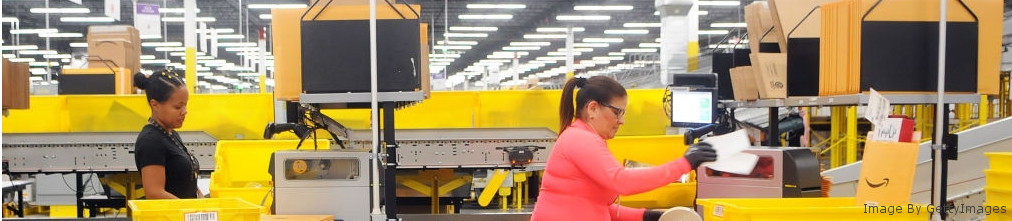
[(201, 216), (718, 210)]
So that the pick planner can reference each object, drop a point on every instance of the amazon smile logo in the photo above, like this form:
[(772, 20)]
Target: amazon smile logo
[(885, 182)]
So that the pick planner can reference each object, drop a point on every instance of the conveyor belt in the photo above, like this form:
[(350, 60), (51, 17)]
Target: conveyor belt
[(89, 152)]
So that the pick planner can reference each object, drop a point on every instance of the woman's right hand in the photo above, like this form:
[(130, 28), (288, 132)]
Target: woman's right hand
[(700, 153)]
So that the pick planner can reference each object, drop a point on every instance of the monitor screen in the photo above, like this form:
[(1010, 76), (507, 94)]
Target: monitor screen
[(692, 108)]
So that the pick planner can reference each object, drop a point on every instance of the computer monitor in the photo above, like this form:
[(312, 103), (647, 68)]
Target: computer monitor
[(693, 108)]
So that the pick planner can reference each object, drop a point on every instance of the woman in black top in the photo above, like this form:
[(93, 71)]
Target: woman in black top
[(168, 170)]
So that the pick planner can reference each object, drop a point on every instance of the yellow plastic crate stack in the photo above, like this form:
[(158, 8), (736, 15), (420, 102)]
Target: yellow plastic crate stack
[(241, 169), (998, 191), (229, 209)]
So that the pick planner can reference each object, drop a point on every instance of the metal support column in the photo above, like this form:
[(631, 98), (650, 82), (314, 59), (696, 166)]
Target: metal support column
[(390, 142), (943, 173), (851, 134), (835, 126), (80, 194), (773, 132)]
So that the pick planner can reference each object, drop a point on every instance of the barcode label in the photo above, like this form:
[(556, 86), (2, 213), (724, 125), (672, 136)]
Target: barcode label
[(718, 210), (201, 216)]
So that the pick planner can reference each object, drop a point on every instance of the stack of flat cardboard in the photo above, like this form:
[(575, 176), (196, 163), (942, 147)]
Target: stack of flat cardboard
[(114, 46), (892, 46), (800, 29), (768, 69), (15, 85), (744, 83), (761, 27)]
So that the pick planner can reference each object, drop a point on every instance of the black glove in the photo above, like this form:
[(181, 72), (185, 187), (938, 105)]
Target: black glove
[(652, 215), (699, 153)]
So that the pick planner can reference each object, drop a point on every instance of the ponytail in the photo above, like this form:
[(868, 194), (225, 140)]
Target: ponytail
[(566, 109), (598, 88)]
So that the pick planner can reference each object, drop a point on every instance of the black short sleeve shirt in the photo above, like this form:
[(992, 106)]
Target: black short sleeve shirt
[(154, 147)]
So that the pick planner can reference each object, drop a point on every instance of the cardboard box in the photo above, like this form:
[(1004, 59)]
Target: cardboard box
[(16, 86), (743, 81), (771, 70), (118, 44)]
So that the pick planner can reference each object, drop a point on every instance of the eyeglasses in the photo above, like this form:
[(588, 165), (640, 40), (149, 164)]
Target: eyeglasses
[(618, 111)]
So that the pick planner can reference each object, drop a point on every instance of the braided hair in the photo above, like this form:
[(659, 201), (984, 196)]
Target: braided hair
[(158, 86)]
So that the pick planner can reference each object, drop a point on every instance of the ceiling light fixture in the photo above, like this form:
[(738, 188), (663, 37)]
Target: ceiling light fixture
[(639, 50), (458, 43), (486, 17), (266, 16), (263, 6), (60, 10), (650, 45), (237, 44), (521, 48), (162, 44), (641, 25), (603, 7), (591, 45), (21, 60), (544, 36), (712, 32), (87, 19), (156, 61), (182, 19), (627, 31), (460, 28), (728, 25), (147, 57), (36, 52), (170, 49), (235, 36), (575, 29), (496, 6), (34, 31), (452, 47), (19, 47), (466, 35), (56, 56), (604, 40), (61, 35), (537, 43), (582, 17), (444, 55)]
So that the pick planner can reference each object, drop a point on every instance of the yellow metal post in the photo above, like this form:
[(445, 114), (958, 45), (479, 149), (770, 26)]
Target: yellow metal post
[(263, 84), (983, 110), (435, 195), (191, 69), (851, 134), (834, 135), (503, 193)]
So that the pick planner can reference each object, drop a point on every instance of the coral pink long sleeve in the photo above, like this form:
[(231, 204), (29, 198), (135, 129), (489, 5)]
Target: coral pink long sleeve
[(582, 179)]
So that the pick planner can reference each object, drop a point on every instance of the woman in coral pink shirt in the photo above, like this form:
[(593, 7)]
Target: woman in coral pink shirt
[(582, 178)]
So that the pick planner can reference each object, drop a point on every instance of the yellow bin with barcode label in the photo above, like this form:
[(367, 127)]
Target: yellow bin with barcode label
[(779, 209), (217, 209)]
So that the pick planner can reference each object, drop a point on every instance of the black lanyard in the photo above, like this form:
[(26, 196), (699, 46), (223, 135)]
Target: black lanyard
[(194, 165)]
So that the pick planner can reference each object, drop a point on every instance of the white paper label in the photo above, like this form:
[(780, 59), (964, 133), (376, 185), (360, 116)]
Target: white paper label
[(201, 216), (718, 210), (878, 108), (888, 130)]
